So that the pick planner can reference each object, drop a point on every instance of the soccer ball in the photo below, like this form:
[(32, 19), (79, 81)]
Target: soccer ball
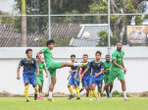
[(86, 35)]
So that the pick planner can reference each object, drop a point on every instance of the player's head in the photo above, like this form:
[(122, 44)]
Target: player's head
[(98, 55), (85, 57), (107, 58), (50, 44), (38, 59), (29, 53), (73, 57), (119, 46)]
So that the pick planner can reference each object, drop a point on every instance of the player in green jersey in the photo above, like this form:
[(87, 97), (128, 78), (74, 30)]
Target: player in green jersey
[(118, 68), (40, 78), (52, 66), (107, 66)]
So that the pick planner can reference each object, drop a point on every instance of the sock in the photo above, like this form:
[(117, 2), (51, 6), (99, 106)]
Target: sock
[(78, 92), (70, 90), (124, 94), (36, 89), (90, 93), (50, 94), (95, 94), (26, 91)]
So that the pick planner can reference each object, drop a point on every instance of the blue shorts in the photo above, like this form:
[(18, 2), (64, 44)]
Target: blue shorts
[(85, 81), (98, 80), (74, 82), (30, 79)]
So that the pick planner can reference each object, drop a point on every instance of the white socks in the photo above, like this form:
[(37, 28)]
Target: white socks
[(124, 95), (50, 95)]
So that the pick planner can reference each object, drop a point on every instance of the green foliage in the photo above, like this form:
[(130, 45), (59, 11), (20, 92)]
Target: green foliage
[(42, 42), (6, 20), (138, 20), (61, 41), (103, 35)]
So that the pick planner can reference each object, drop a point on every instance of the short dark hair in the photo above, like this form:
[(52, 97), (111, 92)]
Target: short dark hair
[(85, 55), (107, 55), (49, 42), (118, 42), (73, 55), (28, 51), (98, 52)]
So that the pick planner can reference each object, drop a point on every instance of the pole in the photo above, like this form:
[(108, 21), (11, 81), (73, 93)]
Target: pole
[(49, 20), (24, 25), (109, 29)]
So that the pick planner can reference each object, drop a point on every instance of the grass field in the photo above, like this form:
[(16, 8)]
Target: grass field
[(18, 103)]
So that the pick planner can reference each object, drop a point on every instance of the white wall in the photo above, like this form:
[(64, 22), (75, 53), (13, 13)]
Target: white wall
[(136, 76)]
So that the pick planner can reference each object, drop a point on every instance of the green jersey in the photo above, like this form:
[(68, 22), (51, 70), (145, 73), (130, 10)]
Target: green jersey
[(118, 56), (107, 66), (47, 56), (41, 68)]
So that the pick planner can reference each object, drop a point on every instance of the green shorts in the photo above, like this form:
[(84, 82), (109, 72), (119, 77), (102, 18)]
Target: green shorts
[(116, 74), (106, 79), (40, 81), (53, 67)]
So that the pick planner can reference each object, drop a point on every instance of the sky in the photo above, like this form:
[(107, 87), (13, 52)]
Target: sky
[(7, 5)]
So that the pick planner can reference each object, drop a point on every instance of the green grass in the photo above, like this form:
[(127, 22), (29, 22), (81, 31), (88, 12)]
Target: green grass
[(18, 103)]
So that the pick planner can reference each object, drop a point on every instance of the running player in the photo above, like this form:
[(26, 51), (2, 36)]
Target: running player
[(29, 65), (40, 78), (96, 76), (118, 68), (52, 66), (85, 74), (74, 79), (108, 87)]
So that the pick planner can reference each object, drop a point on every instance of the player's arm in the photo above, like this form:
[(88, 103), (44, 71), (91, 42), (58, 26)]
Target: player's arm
[(21, 63), (70, 72), (123, 66), (102, 70), (39, 54), (115, 63), (45, 71), (18, 73)]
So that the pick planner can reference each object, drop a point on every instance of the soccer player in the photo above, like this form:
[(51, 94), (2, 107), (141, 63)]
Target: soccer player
[(85, 74), (96, 76), (29, 65), (52, 66), (107, 66), (40, 78), (118, 68), (74, 79)]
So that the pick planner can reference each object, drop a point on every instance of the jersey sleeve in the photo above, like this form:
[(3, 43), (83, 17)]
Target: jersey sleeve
[(44, 50), (102, 66), (114, 56), (21, 63)]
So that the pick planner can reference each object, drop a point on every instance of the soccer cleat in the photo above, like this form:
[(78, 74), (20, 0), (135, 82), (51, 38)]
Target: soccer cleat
[(35, 96), (27, 100), (125, 98), (71, 97), (81, 90), (78, 98)]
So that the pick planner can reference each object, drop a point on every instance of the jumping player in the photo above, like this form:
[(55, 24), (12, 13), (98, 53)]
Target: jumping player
[(118, 68), (74, 79), (29, 65), (52, 66)]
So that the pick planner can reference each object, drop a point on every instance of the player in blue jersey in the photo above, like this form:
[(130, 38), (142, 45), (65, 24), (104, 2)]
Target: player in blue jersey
[(29, 65), (85, 74), (96, 76), (74, 79)]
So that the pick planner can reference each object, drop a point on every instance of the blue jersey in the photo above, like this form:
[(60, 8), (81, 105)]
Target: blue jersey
[(29, 66), (96, 67), (74, 68), (89, 70)]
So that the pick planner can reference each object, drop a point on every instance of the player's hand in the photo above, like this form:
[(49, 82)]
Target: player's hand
[(96, 75), (125, 70), (38, 74), (70, 71), (18, 77)]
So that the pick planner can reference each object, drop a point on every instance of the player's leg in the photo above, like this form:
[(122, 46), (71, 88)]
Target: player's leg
[(77, 88), (110, 89), (32, 79), (123, 83), (51, 88), (26, 83), (94, 91), (70, 83)]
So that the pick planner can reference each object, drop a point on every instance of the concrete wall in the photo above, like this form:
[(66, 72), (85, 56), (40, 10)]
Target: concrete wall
[(136, 61)]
